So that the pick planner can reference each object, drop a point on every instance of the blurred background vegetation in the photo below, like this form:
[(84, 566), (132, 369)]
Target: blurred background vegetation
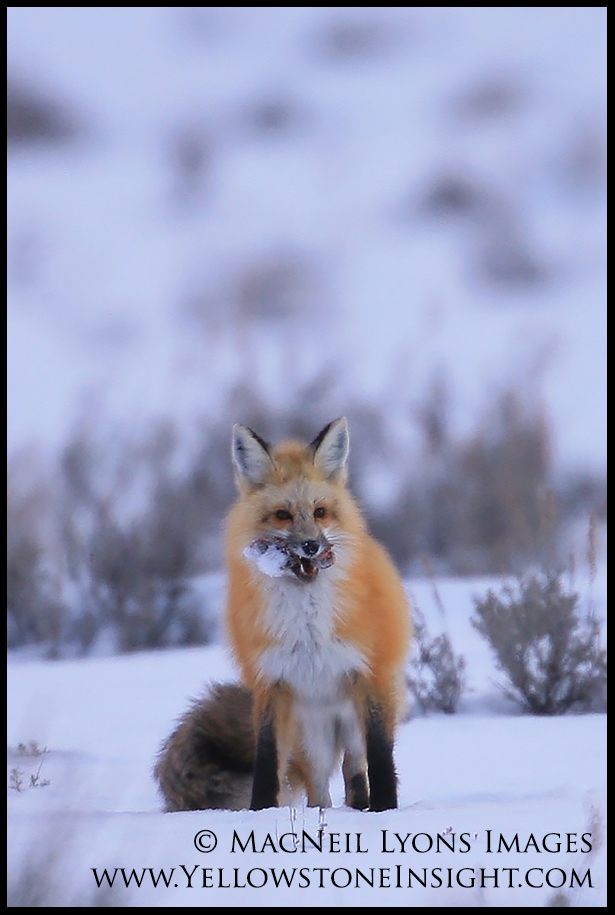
[(277, 216)]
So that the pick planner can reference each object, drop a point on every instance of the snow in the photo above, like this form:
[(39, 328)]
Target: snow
[(105, 255), (105, 261), (485, 772)]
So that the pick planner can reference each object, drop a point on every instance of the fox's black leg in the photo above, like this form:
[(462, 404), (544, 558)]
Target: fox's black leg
[(355, 780), (380, 765), (266, 783), (357, 795)]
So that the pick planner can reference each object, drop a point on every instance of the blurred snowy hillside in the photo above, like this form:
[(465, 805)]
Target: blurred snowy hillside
[(280, 215), (261, 194)]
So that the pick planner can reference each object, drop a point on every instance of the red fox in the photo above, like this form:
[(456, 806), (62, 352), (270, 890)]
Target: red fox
[(320, 627)]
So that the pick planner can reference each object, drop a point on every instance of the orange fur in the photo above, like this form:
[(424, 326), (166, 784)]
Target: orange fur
[(369, 609)]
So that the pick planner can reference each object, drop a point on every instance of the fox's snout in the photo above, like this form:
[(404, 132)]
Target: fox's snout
[(308, 546), (311, 547)]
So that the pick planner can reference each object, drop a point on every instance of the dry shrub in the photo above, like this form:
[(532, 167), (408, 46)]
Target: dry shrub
[(474, 503), (32, 117), (34, 613), (436, 677), (350, 40), (504, 479), (111, 546), (135, 530), (547, 648)]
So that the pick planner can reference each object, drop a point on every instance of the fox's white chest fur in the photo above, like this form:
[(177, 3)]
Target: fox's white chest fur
[(306, 653), (308, 656)]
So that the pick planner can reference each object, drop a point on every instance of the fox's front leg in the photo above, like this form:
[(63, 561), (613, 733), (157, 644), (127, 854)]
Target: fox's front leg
[(266, 785), (380, 765), (355, 781)]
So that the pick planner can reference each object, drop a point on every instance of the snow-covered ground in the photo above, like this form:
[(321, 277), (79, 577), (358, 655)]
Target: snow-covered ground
[(485, 772), (324, 143)]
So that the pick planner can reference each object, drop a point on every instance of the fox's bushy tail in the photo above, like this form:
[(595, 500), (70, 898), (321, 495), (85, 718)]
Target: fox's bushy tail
[(208, 761)]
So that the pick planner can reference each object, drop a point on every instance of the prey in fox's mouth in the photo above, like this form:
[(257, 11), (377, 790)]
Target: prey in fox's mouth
[(276, 556), (307, 569)]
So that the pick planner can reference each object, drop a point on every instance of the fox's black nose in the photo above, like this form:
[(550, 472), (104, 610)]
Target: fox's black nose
[(310, 547)]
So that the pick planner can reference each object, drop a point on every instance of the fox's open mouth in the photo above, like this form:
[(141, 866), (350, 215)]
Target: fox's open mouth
[(304, 569), (274, 556), (307, 569)]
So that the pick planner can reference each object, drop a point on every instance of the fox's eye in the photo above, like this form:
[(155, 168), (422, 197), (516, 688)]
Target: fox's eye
[(320, 512), (283, 515)]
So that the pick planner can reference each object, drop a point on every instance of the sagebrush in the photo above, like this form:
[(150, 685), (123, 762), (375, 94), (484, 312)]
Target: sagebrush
[(105, 546), (436, 676), (547, 647)]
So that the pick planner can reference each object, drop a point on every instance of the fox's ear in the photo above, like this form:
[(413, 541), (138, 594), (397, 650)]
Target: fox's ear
[(251, 458), (330, 449)]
